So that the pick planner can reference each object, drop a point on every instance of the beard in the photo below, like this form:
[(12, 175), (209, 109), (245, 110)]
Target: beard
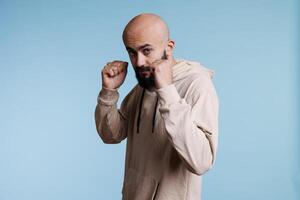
[(146, 82)]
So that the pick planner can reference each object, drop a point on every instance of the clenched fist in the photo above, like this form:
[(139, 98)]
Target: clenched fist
[(113, 74), (162, 72)]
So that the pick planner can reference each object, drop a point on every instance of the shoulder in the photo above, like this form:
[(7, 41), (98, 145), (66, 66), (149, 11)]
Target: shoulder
[(197, 82), (194, 75)]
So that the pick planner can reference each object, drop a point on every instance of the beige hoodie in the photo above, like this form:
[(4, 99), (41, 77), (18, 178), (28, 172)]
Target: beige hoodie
[(172, 134)]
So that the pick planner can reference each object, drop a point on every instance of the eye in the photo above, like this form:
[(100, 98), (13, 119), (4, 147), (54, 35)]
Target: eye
[(131, 53), (147, 51)]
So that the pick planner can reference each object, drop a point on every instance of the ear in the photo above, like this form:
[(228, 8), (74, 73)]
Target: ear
[(170, 47)]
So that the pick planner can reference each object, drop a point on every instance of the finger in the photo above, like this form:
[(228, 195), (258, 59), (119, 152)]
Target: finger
[(116, 66), (126, 65), (116, 70), (123, 64), (124, 68), (106, 69), (111, 72), (155, 63), (120, 64)]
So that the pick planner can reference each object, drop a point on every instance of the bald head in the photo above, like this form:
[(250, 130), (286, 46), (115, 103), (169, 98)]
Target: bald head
[(146, 26), (146, 38)]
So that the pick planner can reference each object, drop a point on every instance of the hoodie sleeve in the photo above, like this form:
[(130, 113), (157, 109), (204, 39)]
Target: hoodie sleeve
[(191, 124), (111, 122)]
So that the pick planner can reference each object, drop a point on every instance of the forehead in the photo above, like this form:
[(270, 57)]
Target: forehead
[(139, 37)]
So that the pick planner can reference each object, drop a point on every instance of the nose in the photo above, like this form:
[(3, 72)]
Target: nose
[(140, 60)]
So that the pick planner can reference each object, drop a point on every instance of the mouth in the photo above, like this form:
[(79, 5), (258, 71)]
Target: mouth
[(145, 74)]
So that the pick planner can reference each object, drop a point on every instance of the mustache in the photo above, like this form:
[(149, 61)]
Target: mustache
[(144, 69)]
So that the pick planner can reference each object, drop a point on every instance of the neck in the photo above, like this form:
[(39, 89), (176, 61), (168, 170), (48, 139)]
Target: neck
[(152, 89)]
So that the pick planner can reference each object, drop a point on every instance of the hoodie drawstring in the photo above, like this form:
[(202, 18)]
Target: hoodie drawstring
[(154, 114), (140, 110)]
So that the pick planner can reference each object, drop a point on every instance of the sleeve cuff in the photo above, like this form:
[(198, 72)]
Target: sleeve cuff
[(168, 95), (108, 96)]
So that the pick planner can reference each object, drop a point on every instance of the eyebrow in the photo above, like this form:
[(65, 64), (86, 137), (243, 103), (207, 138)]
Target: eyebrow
[(140, 47)]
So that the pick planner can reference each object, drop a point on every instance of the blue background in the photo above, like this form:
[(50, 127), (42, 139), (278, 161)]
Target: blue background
[(51, 55)]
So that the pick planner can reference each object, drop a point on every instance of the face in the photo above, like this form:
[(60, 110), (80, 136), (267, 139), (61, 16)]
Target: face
[(142, 55), (145, 75), (145, 44)]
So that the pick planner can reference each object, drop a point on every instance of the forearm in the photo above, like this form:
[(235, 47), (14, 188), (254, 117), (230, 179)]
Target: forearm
[(194, 144), (109, 122)]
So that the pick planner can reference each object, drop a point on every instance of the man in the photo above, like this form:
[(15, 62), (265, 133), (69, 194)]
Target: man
[(170, 118)]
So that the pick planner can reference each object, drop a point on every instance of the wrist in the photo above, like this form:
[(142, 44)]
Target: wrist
[(110, 89), (168, 95), (108, 96)]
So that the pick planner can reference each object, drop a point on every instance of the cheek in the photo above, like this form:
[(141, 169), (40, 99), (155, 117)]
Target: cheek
[(159, 54), (132, 60), (154, 56)]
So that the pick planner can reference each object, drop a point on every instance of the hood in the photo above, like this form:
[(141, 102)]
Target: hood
[(185, 68)]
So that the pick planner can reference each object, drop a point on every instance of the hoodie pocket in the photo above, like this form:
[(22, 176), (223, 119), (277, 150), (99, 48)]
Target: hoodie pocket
[(138, 186)]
